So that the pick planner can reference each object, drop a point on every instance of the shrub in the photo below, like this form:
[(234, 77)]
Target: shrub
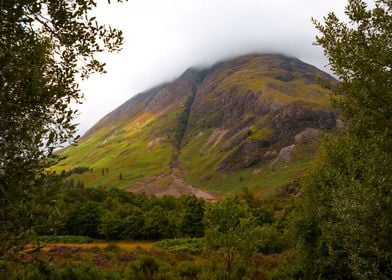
[(144, 268), (189, 270), (112, 248), (288, 270), (190, 245), (270, 240)]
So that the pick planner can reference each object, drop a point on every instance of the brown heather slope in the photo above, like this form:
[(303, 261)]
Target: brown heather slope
[(250, 121)]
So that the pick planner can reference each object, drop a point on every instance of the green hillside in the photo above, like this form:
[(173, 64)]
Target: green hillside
[(251, 121)]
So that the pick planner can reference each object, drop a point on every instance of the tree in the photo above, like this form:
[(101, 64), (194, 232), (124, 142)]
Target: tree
[(192, 221), (45, 47), (346, 227), (263, 215), (133, 224), (230, 230), (249, 198), (86, 221), (111, 225), (157, 224)]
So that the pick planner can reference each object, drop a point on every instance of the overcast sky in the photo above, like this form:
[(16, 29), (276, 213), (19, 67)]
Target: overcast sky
[(165, 37)]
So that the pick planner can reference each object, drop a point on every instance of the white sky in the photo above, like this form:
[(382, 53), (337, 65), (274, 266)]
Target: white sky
[(165, 37)]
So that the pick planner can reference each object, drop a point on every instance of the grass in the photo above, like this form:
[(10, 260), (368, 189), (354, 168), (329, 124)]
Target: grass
[(142, 146), (189, 245), (201, 169), (125, 245), (64, 239), (121, 149)]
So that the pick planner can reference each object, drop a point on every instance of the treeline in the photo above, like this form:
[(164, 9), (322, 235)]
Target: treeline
[(231, 235), (76, 170), (114, 214)]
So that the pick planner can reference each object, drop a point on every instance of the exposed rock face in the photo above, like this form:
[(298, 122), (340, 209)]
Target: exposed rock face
[(285, 153), (308, 133), (291, 120), (242, 113)]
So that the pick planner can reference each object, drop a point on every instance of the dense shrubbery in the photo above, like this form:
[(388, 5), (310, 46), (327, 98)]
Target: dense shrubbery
[(189, 245), (112, 214), (76, 170), (230, 236), (116, 215), (345, 231), (148, 266)]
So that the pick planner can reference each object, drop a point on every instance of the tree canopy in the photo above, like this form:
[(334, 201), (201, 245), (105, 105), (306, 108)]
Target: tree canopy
[(46, 47), (346, 227)]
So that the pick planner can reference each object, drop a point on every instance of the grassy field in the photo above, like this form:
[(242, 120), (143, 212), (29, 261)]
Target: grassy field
[(200, 164), (124, 245), (129, 150)]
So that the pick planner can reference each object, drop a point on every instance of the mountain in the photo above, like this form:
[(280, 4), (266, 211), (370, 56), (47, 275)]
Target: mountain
[(252, 121)]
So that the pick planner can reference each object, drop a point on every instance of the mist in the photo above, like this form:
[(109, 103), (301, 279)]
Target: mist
[(165, 37)]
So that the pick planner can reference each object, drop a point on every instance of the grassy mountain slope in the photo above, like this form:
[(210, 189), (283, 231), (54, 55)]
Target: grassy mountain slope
[(250, 121)]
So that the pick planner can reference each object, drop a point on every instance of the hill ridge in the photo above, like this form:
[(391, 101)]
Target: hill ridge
[(216, 129)]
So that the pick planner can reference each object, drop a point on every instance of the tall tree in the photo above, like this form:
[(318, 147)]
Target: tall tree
[(192, 221), (230, 230), (46, 46), (346, 228)]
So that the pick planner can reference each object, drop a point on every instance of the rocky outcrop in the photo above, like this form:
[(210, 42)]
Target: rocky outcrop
[(247, 112)]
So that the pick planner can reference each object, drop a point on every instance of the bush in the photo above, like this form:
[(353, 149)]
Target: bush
[(188, 270), (144, 268), (112, 248), (77, 170), (288, 270), (189, 245), (270, 240), (44, 271), (85, 221), (263, 215)]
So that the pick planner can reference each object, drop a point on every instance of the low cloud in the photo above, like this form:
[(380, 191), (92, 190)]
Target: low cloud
[(165, 37)]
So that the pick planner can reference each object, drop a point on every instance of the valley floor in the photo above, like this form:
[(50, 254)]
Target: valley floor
[(133, 260)]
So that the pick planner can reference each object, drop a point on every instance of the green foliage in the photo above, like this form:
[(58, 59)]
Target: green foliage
[(116, 214), (43, 271), (121, 221), (270, 240), (347, 215), (111, 225), (263, 215), (76, 170), (290, 269), (189, 270), (144, 268), (192, 221), (133, 224), (190, 245), (157, 224), (45, 47), (230, 230), (86, 221)]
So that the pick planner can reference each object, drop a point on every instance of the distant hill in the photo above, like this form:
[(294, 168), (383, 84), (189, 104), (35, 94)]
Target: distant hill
[(250, 121)]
